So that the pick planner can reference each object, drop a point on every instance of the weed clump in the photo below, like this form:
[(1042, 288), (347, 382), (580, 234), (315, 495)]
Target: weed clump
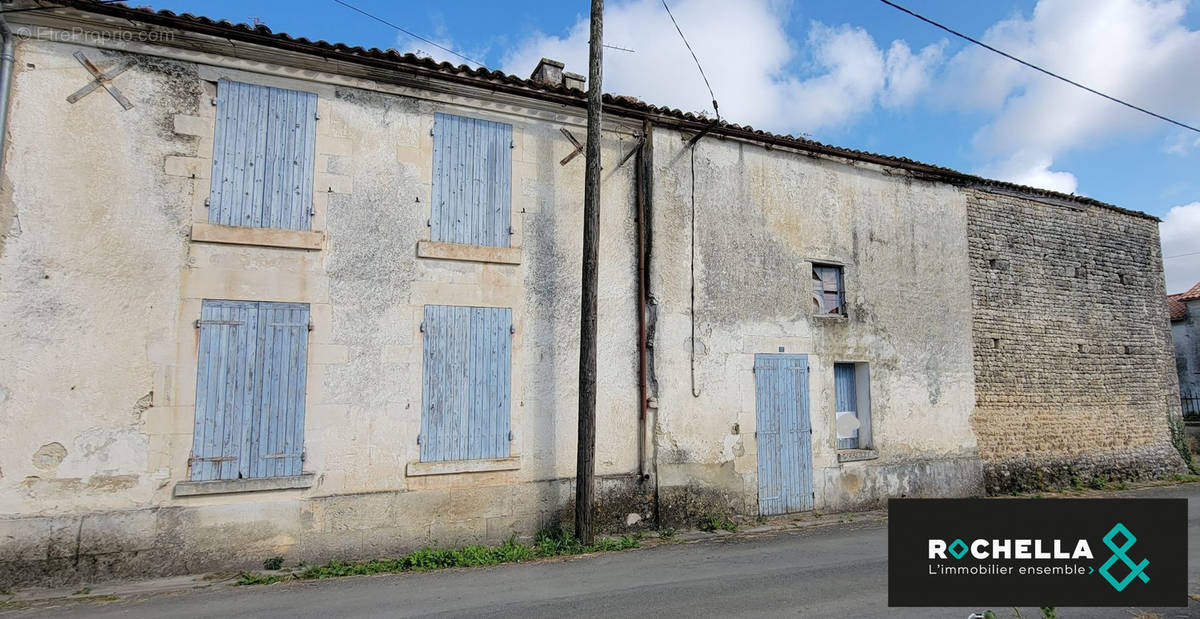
[(547, 543)]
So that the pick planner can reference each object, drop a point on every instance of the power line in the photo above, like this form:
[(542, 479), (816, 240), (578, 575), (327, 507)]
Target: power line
[(411, 34), (1192, 253), (1037, 68), (716, 110)]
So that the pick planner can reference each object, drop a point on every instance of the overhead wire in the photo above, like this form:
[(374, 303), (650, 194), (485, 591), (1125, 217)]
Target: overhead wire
[(692, 152), (407, 32), (1037, 68), (716, 109)]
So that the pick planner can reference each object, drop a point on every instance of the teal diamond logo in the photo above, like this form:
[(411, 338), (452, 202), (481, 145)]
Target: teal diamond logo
[(958, 549)]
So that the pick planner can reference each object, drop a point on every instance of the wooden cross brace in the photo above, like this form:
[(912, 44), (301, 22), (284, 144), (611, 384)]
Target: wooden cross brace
[(102, 80), (578, 147)]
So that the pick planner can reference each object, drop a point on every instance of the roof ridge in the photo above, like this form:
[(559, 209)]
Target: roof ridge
[(631, 105)]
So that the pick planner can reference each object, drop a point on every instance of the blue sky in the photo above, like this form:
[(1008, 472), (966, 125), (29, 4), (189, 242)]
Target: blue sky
[(860, 74)]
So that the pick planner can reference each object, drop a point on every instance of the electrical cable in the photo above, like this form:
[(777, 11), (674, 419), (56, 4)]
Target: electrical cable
[(692, 269), (411, 34), (1037, 68), (716, 109)]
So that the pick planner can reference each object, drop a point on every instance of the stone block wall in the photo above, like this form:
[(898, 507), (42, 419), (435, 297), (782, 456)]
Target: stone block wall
[(1073, 368)]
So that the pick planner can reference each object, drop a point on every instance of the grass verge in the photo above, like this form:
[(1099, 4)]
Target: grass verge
[(547, 543)]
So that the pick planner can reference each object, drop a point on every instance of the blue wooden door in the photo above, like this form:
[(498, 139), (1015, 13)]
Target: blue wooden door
[(784, 435)]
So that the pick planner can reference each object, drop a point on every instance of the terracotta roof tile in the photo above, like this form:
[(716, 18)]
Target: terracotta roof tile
[(1194, 293), (498, 80), (1176, 307)]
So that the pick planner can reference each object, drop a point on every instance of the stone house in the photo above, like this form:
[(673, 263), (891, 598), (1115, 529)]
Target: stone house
[(261, 295), (1184, 309)]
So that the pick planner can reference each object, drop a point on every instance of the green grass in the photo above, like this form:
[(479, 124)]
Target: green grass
[(547, 543), (714, 523)]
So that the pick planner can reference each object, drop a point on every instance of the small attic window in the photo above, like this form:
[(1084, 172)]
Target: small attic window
[(829, 294)]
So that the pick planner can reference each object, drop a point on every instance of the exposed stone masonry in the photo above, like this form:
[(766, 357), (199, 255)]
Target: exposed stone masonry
[(1072, 361)]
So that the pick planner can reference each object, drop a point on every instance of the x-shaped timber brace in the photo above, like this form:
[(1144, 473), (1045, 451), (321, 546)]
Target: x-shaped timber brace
[(102, 80)]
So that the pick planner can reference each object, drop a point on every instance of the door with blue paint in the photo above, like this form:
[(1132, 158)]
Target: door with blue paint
[(784, 436)]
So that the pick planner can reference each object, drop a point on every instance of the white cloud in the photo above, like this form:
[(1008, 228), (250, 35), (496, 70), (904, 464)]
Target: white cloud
[(908, 75), (745, 50), (1136, 50), (1180, 234), (1033, 169)]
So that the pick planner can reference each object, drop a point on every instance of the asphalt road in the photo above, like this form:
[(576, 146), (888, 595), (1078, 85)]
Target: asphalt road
[(831, 571)]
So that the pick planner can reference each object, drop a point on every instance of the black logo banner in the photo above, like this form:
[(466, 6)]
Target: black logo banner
[(1037, 552)]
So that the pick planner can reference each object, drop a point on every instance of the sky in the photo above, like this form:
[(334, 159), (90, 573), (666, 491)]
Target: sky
[(860, 74)]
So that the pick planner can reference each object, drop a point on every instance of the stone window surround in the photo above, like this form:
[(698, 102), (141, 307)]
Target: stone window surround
[(438, 250), (230, 486), (327, 144), (844, 314), (862, 387)]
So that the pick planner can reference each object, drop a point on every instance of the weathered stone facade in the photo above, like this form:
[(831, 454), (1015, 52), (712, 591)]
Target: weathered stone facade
[(1074, 377), (987, 328)]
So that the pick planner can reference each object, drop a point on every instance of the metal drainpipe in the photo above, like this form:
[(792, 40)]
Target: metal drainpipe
[(6, 71)]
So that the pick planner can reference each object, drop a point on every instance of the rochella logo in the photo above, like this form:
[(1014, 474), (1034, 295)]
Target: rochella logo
[(1136, 570), (1009, 549), (1033, 549)]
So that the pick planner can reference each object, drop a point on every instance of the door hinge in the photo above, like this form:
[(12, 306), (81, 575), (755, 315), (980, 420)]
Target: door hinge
[(214, 100), (207, 202), (418, 439), (512, 329), (422, 326), (510, 435)]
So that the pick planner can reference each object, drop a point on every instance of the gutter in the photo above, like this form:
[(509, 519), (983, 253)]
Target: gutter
[(497, 81), (7, 58)]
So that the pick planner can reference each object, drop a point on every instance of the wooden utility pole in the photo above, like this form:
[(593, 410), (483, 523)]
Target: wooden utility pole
[(585, 468)]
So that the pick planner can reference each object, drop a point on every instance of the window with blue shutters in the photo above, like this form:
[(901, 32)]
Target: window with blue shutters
[(262, 174), (852, 398), (465, 382), (472, 181), (251, 376)]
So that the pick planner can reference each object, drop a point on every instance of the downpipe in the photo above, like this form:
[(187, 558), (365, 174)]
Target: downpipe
[(7, 58)]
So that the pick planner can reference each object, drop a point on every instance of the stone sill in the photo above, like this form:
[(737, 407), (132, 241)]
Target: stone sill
[(468, 253), (266, 237), (450, 467), (856, 455), (831, 317), (229, 486)]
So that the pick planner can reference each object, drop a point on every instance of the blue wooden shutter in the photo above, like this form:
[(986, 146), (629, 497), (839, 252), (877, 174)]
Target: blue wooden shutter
[(846, 398), (275, 443), (262, 174), (472, 181), (225, 387), (251, 381), (466, 380)]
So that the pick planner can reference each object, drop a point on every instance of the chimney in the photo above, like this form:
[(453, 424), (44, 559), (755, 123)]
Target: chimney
[(548, 72), (573, 80)]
